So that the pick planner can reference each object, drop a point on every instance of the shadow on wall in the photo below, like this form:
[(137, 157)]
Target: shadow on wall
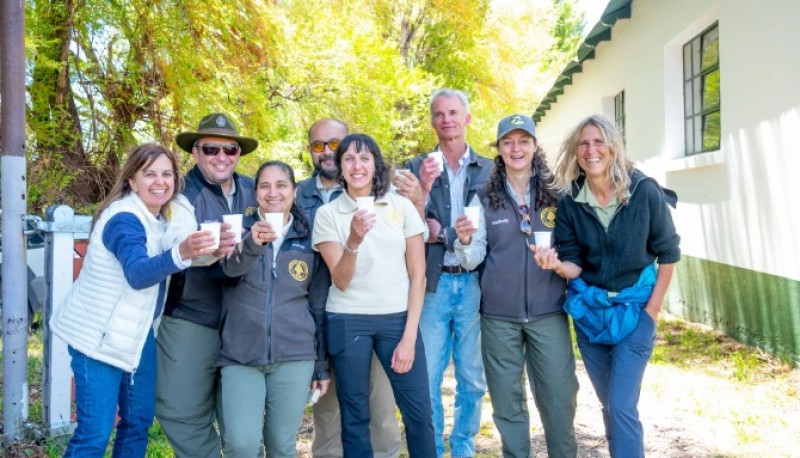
[(737, 213)]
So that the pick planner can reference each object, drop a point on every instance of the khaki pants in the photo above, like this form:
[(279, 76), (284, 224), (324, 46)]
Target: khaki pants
[(383, 426), (187, 387)]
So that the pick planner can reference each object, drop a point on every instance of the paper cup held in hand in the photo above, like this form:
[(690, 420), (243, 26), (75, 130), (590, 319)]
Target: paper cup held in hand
[(214, 228), (366, 203), (235, 220), (437, 156), (474, 215), (276, 221), (399, 172), (543, 239)]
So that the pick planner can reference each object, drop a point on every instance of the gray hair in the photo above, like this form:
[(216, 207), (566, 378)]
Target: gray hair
[(446, 92)]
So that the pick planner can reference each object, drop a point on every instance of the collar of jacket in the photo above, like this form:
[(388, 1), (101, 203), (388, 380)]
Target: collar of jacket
[(198, 177), (670, 196)]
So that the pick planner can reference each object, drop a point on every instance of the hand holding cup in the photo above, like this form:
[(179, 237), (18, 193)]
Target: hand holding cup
[(263, 233), (464, 229)]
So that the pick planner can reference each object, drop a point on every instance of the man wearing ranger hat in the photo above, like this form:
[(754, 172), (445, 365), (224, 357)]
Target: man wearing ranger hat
[(188, 343)]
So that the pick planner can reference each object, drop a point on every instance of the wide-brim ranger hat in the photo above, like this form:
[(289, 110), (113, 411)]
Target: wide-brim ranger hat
[(516, 122), (215, 125)]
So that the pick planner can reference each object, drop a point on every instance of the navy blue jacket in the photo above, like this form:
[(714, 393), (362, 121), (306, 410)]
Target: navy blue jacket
[(196, 293), (640, 233), (308, 198)]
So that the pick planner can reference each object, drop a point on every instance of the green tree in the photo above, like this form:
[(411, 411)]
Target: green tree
[(105, 75)]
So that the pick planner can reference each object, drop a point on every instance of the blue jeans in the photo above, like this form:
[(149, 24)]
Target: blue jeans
[(351, 340), (450, 325), (99, 390), (616, 372)]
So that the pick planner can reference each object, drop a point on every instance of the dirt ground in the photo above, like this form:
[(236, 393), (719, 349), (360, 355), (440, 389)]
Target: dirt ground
[(703, 395), (694, 408)]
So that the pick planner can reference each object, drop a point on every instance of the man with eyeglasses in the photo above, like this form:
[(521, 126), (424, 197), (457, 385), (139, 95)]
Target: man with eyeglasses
[(323, 186), (188, 343), (450, 322)]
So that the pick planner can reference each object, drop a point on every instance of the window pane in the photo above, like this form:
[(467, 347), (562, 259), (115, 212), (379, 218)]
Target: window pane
[(698, 134), (711, 131), (687, 61), (689, 131), (696, 96), (696, 56), (711, 90), (687, 98), (711, 48)]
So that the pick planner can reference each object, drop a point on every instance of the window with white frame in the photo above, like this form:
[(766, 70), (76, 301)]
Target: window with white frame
[(619, 113), (701, 92)]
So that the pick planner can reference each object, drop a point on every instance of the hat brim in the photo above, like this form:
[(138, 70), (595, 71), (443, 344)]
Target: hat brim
[(185, 140)]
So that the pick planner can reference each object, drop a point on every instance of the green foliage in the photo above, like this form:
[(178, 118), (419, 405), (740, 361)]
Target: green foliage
[(107, 75)]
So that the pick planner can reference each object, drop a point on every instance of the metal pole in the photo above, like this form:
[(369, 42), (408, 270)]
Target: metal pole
[(14, 200)]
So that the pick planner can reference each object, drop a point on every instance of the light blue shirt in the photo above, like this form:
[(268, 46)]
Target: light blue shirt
[(458, 181)]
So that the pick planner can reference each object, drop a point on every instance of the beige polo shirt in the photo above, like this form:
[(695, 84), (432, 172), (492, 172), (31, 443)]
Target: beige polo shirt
[(380, 282)]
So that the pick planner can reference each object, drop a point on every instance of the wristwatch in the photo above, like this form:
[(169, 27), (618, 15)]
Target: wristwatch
[(441, 237)]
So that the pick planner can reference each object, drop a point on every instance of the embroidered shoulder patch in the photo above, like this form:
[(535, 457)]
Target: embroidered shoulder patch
[(249, 211), (548, 216)]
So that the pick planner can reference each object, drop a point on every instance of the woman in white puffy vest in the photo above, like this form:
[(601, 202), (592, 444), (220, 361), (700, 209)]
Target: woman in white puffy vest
[(110, 315)]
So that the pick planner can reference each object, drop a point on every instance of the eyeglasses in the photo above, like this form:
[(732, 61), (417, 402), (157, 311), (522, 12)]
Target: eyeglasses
[(525, 224), (319, 147), (212, 149)]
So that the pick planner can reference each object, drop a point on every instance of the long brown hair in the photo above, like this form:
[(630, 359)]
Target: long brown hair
[(139, 158)]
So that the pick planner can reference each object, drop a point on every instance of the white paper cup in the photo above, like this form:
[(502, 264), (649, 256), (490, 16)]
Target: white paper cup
[(235, 220), (366, 203), (543, 239), (437, 156), (214, 228), (397, 172), (474, 215), (276, 221)]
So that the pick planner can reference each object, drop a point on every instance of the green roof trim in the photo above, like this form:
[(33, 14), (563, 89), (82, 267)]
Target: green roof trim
[(615, 10)]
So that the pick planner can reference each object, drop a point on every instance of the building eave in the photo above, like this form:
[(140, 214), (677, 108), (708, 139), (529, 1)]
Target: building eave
[(615, 10)]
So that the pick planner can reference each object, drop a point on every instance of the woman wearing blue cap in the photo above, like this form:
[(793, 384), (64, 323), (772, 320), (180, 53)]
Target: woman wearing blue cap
[(522, 321)]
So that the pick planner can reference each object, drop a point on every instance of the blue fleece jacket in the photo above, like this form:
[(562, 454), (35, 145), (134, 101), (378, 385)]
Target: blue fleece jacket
[(604, 319)]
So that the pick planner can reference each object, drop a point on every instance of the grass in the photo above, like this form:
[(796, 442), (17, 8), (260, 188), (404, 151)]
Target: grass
[(736, 390)]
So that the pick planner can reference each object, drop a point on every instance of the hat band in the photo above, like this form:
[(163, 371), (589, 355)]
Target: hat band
[(216, 131)]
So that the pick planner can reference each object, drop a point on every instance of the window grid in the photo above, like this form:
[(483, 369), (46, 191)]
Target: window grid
[(619, 114), (701, 82)]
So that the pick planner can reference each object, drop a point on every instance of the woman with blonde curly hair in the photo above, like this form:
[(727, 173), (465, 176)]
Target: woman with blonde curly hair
[(612, 228)]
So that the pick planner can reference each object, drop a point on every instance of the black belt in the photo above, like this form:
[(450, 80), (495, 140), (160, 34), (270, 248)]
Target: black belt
[(454, 270)]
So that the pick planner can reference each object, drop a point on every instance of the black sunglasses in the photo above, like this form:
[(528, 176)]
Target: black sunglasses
[(525, 224), (212, 149), (319, 147)]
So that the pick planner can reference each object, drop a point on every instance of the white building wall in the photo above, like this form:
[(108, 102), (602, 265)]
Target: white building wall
[(739, 205)]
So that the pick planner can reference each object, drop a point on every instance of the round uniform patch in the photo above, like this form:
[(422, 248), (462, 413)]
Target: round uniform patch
[(298, 270), (221, 121), (249, 211), (548, 216)]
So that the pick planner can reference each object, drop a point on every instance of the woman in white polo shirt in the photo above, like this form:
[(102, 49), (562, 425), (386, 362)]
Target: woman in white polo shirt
[(377, 263)]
